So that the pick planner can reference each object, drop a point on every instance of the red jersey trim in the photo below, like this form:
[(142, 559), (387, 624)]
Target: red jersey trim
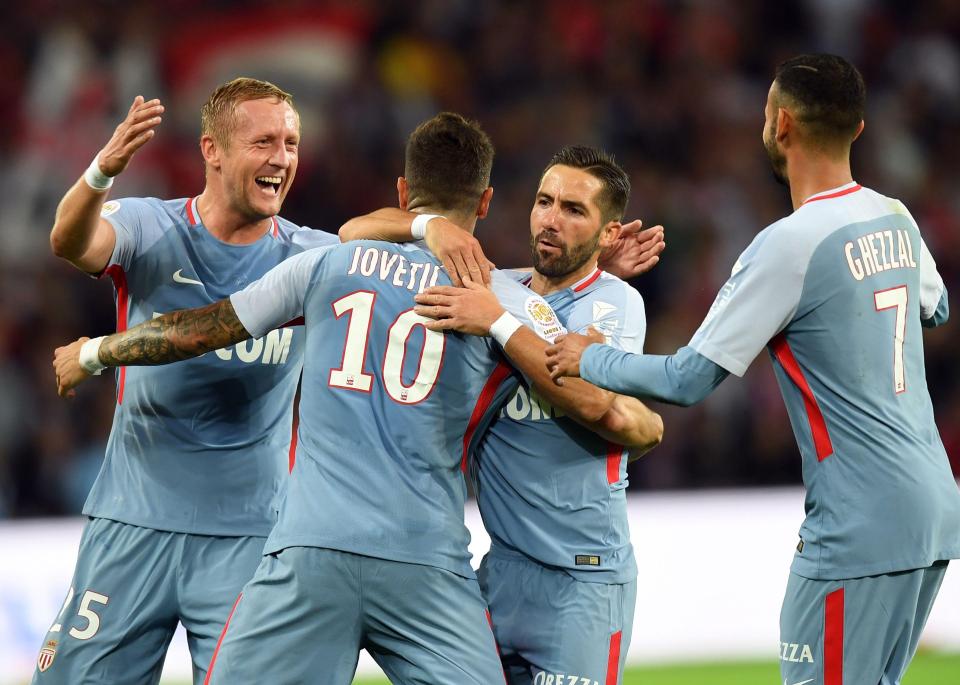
[(119, 278), (276, 227), (590, 279), (223, 634), (839, 193), (192, 212), (833, 639), (497, 377), (613, 659), (614, 456), (818, 427)]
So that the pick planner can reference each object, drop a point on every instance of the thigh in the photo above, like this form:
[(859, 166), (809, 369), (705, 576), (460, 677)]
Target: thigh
[(297, 621), (425, 625), (213, 571), (119, 614)]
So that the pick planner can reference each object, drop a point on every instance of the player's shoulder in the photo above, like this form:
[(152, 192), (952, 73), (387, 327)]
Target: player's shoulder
[(302, 237), (145, 206)]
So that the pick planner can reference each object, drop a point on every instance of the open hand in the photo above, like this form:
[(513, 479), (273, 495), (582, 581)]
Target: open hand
[(471, 309), (130, 135), (635, 252), (459, 251), (66, 365), (563, 357)]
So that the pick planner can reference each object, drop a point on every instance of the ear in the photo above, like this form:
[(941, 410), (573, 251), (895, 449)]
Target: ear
[(859, 131), (785, 124), (210, 151), (484, 205), (609, 234), (403, 193)]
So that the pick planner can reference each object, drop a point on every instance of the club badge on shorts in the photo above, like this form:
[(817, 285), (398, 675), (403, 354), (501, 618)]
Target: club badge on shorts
[(47, 653)]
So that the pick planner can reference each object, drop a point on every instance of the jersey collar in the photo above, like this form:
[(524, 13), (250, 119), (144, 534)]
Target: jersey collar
[(193, 216), (839, 191), (582, 284)]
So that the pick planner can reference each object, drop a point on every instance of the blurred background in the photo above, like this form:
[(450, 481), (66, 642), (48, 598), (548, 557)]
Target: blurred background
[(675, 90)]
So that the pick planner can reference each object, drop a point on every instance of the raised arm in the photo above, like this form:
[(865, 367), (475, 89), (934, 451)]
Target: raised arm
[(168, 338), (79, 234)]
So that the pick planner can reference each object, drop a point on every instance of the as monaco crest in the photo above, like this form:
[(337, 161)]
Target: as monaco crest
[(47, 653)]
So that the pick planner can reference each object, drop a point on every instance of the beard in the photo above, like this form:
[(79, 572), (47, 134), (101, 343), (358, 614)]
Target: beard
[(567, 261), (778, 161)]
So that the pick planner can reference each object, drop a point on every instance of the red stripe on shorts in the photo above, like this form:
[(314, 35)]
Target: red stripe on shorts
[(223, 634), (833, 639), (613, 660)]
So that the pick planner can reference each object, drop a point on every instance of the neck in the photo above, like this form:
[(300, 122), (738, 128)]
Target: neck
[(544, 285), (812, 174), (227, 224)]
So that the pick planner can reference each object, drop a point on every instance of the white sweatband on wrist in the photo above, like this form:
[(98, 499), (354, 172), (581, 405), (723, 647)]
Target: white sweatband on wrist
[(95, 178), (90, 356), (418, 229), (504, 327)]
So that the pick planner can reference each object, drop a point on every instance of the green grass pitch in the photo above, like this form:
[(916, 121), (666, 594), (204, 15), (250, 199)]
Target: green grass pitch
[(926, 669)]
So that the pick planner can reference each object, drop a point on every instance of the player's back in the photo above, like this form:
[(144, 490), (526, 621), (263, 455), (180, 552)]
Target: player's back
[(850, 364), (384, 408)]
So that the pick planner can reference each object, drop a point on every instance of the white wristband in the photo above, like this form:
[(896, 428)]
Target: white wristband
[(504, 327), (95, 178), (90, 356), (418, 229)]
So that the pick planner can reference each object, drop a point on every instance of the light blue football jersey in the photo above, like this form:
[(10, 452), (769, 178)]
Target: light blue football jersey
[(200, 446), (547, 487), (387, 408), (837, 292)]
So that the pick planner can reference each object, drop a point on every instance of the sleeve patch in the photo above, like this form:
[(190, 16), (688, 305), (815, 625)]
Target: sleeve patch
[(110, 207), (543, 317)]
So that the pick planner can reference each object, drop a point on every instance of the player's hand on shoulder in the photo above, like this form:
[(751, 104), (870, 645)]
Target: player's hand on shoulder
[(66, 366), (471, 309), (459, 251), (131, 134), (635, 252)]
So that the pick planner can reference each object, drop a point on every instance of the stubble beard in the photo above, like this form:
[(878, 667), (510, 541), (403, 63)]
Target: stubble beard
[(568, 261)]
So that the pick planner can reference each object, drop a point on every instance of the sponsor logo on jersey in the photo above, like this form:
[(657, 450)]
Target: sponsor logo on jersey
[(544, 678), (178, 277), (603, 319), (795, 653), (109, 207), (586, 560), (47, 654), (526, 405), (273, 348), (544, 319)]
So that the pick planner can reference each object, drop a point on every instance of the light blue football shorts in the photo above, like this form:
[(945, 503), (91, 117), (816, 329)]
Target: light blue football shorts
[(552, 629), (862, 631), (130, 588), (308, 612)]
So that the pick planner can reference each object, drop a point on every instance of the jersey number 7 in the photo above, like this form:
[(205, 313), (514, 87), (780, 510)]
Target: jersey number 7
[(890, 299), (359, 307)]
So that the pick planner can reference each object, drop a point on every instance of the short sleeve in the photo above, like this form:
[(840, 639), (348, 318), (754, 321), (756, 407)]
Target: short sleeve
[(309, 238), (128, 216), (529, 308), (758, 300), (278, 296)]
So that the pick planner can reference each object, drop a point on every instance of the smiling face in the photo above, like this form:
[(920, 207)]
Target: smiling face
[(258, 161), (566, 222)]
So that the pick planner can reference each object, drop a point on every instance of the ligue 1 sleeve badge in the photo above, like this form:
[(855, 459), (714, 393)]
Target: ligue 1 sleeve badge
[(47, 653)]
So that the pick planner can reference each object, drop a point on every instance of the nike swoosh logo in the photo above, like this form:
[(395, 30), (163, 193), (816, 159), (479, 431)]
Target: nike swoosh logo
[(802, 682), (179, 278)]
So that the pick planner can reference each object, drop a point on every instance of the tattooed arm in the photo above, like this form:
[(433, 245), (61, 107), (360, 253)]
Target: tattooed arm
[(168, 338)]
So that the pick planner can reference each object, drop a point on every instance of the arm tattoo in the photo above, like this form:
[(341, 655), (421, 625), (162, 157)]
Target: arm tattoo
[(175, 336)]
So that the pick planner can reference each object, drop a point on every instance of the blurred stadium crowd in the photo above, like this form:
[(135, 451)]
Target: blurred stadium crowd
[(674, 89)]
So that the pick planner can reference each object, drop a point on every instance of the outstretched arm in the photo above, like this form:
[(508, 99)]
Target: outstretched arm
[(79, 234), (168, 338)]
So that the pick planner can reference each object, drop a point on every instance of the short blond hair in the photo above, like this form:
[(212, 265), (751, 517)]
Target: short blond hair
[(218, 116)]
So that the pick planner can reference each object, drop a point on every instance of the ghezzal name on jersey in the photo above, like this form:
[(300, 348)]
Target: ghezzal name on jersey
[(393, 268), (879, 251)]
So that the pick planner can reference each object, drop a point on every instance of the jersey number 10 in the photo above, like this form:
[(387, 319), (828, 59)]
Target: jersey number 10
[(351, 376)]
